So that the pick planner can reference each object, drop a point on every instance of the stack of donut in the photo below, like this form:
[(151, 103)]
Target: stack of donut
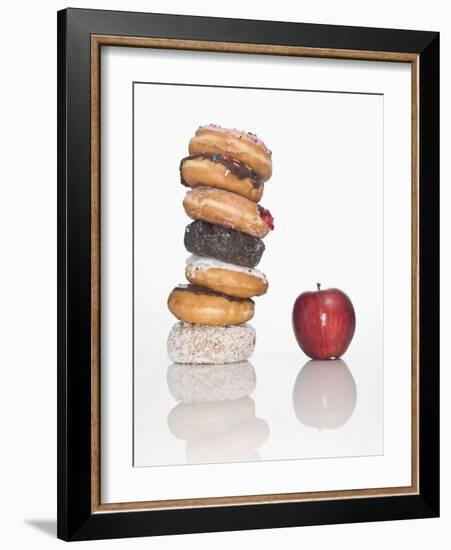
[(225, 171)]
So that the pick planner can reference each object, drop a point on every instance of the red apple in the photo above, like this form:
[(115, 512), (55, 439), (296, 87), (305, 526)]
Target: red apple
[(323, 323)]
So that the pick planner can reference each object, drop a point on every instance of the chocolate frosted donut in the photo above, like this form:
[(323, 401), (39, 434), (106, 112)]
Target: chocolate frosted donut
[(225, 244)]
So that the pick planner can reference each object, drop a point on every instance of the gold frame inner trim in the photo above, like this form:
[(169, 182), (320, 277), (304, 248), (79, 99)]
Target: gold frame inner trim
[(97, 41)]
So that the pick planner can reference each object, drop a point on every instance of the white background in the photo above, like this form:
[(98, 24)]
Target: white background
[(334, 159), (28, 302), (332, 163), (351, 257)]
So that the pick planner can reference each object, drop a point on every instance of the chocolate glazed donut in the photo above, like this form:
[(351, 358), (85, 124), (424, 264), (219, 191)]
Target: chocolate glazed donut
[(227, 245)]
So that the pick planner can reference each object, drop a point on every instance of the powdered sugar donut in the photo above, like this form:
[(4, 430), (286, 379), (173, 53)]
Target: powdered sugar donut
[(202, 306), (228, 209), (240, 145), (208, 383), (215, 170), (230, 279), (202, 344)]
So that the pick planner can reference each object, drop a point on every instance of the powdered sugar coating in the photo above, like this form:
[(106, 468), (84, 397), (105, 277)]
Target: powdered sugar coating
[(195, 262), (240, 134), (208, 383), (204, 344)]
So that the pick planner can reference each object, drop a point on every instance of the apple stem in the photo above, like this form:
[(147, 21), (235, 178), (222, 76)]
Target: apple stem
[(318, 285)]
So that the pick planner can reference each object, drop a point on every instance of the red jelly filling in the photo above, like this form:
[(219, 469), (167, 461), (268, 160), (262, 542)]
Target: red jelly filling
[(265, 215)]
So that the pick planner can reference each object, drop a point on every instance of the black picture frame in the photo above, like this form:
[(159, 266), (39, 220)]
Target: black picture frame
[(76, 520)]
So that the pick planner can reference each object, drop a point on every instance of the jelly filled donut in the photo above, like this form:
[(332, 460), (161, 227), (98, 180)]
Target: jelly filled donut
[(243, 146), (228, 209), (202, 306), (202, 344), (215, 170), (227, 245), (231, 279)]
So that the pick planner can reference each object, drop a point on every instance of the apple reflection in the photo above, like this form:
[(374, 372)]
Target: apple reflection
[(215, 415), (324, 394)]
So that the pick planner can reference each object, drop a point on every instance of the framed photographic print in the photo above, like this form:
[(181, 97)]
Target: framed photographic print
[(248, 274)]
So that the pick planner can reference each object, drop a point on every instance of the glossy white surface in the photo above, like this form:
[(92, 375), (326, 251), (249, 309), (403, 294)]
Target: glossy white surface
[(297, 411)]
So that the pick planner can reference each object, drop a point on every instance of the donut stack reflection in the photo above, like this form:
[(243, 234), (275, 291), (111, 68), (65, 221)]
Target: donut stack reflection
[(225, 171)]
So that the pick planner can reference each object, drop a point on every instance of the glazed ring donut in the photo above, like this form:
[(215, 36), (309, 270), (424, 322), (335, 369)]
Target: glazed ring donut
[(227, 245), (202, 344), (215, 170), (243, 146), (228, 209), (202, 306), (230, 279)]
